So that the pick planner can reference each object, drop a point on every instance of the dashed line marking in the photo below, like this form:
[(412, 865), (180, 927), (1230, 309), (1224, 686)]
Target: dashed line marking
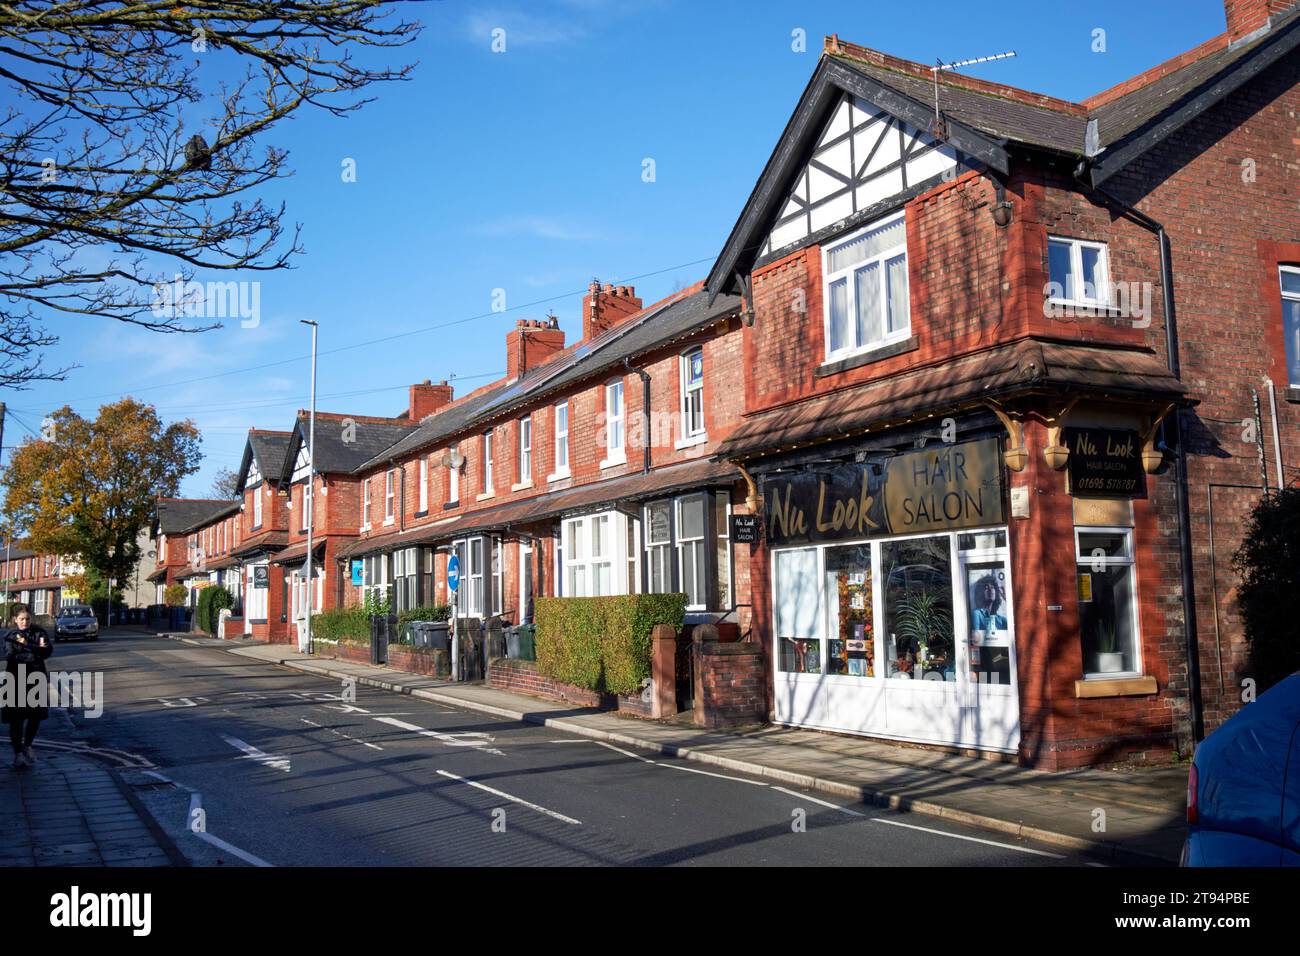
[(513, 799), (339, 733)]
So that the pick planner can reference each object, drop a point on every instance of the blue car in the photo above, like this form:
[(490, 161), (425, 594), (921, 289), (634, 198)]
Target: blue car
[(1243, 791)]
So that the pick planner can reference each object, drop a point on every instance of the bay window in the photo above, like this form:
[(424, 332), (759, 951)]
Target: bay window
[(406, 569), (596, 557), (481, 564), (374, 578), (864, 286), (691, 543)]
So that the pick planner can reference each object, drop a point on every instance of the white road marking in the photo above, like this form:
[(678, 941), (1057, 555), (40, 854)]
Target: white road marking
[(513, 799), (196, 803), (625, 753), (706, 773), (958, 836), (824, 803), (465, 739), (339, 733), (252, 753)]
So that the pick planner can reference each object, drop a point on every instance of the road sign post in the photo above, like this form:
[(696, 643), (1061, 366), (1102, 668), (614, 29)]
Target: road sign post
[(453, 585)]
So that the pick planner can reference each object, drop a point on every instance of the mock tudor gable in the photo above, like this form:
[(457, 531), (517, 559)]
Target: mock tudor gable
[(863, 159)]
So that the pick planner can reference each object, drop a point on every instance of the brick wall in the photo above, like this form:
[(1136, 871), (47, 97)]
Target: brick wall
[(521, 677), (730, 684)]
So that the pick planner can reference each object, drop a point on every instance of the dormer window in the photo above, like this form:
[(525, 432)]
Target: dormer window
[(864, 287)]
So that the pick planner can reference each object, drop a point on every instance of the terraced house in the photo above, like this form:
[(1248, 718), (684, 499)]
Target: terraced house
[(192, 540), (1003, 354), (264, 533), (587, 471), (36, 579)]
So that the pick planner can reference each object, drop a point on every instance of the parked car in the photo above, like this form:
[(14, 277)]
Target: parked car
[(76, 620), (1243, 789)]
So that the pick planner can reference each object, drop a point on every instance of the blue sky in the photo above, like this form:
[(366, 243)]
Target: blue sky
[(522, 171)]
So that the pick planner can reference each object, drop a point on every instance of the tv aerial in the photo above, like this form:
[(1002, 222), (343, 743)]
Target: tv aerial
[(940, 66)]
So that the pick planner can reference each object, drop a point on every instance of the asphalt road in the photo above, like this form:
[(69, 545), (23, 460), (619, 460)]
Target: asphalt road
[(278, 769)]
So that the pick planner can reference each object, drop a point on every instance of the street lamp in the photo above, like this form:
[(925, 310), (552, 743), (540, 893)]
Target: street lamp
[(305, 643)]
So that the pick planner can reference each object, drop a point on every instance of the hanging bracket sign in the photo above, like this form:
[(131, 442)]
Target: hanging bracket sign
[(1105, 463)]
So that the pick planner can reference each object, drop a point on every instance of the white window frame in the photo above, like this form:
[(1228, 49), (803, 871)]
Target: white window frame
[(1101, 299), (306, 503), (699, 546), (611, 553), (1289, 297), (390, 496), (487, 464), (615, 424), (561, 442), (526, 450), (424, 484), (453, 482), (848, 273), (365, 504), (691, 392), (1127, 560), (257, 506), (476, 572)]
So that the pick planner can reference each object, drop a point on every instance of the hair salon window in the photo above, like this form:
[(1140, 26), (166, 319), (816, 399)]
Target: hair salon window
[(798, 612), (852, 646), (916, 576), (865, 289), (1108, 613)]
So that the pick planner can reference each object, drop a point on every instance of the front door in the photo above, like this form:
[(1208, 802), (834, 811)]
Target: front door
[(525, 583), (986, 632)]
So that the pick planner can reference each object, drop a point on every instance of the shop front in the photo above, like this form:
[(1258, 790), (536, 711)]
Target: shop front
[(892, 597)]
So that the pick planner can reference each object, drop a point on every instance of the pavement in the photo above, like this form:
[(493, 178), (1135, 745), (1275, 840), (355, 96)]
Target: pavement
[(69, 810), (1132, 817)]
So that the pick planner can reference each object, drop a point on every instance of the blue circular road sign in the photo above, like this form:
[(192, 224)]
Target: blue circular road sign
[(453, 573)]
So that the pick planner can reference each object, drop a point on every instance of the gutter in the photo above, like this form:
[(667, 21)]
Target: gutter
[(1195, 707)]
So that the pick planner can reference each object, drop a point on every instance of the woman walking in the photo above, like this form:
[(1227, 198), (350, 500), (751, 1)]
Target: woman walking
[(26, 647)]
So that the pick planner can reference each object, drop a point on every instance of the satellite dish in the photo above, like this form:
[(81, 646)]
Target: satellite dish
[(455, 458)]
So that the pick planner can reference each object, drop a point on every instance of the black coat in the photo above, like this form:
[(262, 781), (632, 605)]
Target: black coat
[(31, 656)]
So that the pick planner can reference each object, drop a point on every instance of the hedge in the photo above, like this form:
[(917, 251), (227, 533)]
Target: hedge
[(602, 643), (212, 601), (1269, 564), (350, 623)]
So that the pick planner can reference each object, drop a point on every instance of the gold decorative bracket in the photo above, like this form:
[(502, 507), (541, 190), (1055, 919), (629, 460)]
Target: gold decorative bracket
[(1152, 457), (1015, 456)]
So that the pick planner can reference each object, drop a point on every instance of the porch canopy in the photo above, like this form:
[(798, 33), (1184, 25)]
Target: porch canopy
[(297, 553), (1023, 368), (659, 482), (266, 543)]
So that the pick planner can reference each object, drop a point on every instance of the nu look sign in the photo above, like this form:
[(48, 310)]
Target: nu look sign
[(936, 489)]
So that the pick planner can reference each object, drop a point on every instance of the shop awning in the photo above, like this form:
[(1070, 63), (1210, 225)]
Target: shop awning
[(268, 542), (298, 552), (659, 482), (1019, 368)]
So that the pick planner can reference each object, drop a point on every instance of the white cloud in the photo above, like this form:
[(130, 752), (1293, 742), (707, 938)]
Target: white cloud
[(537, 227)]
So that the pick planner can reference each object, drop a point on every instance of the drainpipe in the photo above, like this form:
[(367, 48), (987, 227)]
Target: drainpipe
[(645, 411), (1180, 458)]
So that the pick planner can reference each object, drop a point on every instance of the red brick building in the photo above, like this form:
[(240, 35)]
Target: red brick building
[(556, 481), (264, 532), (186, 533), (1000, 362), (34, 578)]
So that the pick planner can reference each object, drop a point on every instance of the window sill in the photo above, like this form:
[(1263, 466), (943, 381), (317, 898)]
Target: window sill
[(691, 442), (559, 475), (1292, 393), (1099, 308), (877, 354), (1115, 687), (613, 462), (389, 521), (485, 496), (451, 504), (422, 514), (522, 485)]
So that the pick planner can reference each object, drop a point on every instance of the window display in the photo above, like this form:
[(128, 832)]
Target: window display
[(1107, 615), (918, 608), (852, 646), (989, 634), (798, 610)]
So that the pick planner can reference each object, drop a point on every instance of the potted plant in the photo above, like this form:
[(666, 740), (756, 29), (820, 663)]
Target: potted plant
[(1109, 659), (924, 622)]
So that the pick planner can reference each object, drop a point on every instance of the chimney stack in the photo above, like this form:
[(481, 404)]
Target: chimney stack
[(530, 343), (604, 308), (427, 398), (1247, 16)]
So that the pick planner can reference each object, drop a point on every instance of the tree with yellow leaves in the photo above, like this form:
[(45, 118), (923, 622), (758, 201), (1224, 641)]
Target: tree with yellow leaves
[(85, 489)]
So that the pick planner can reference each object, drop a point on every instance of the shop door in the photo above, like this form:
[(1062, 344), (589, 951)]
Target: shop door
[(987, 669)]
